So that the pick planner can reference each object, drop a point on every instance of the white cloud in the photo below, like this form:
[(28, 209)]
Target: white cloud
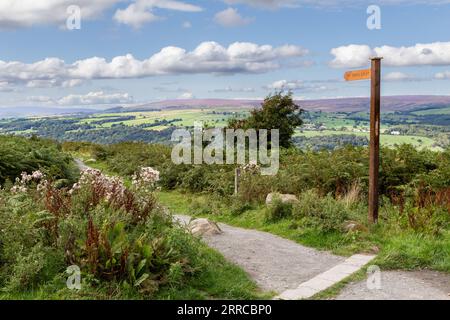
[(442, 75), (187, 25), (352, 56), (187, 95), (27, 13), (96, 98), (41, 99), (231, 18), (328, 3), (231, 89), (296, 85), (208, 57), (5, 86), (141, 11), (89, 99), (134, 16), (399, 76), (266, 3)]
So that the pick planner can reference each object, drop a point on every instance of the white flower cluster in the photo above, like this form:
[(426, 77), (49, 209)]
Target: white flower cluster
[(251, 168), (108, 187), (25, 179), (146, 178)]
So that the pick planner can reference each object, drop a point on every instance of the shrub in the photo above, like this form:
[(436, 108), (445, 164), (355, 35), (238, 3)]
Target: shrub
[(324, 213), (238, 207), (18, 155), (116, 235), (277, 210)]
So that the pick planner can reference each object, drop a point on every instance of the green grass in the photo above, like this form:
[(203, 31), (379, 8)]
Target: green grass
[(217, 279)]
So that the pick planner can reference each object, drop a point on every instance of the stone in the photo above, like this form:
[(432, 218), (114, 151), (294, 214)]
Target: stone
[(285, 198), (204, 227), (354, 226)]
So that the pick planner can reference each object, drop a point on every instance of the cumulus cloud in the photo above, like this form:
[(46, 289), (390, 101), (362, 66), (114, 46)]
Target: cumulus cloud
[(208, 57), (89, 99), (267, 3), (270, 4), (442, 75), (5, 86), (231, 89), (96, 98), (187, 25), (296, 85), (27, 13), (430, 54), (141, 11), (231, 18), (399, 77), (134, 16), (186, 95)]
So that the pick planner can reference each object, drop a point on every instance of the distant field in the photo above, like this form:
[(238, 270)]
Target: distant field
[(386, 140), (436, 111), (317, 124), (183, 117)]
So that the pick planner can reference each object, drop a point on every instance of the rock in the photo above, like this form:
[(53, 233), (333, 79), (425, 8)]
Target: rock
[(204, 227), (374, 250), (285, 198), (353, 226)]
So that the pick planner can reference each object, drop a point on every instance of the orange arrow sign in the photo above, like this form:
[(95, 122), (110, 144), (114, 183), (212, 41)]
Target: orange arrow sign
[(357, 75)]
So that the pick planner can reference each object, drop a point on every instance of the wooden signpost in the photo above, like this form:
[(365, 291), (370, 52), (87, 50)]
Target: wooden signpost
[(375, 100)]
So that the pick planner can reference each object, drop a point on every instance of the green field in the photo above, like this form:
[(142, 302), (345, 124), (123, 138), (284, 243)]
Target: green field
[(386, 139), (436, 111), (184, 118)]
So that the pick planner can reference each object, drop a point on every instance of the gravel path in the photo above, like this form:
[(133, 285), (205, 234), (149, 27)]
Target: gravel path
[(80, 164), (402, 285), (276, 264)]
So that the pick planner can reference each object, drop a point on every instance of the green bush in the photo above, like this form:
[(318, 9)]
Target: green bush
[(19, 154), (116, 235), (277, 210), (324, 213)]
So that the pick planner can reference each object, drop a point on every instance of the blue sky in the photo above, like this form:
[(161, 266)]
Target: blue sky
[(216, 49)]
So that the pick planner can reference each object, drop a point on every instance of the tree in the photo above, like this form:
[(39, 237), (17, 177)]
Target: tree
[(278, 111)]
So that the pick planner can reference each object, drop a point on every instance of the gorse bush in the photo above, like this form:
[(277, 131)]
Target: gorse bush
[(324, 213), (18, 154), (277, 210)]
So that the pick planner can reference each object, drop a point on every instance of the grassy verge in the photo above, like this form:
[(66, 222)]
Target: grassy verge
[(218, 279)]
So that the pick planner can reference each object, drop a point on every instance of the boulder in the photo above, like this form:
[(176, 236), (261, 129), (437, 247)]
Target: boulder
[(204, 227), (285, 198)]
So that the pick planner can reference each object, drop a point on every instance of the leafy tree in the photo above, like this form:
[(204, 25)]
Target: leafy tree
[(278, 111)]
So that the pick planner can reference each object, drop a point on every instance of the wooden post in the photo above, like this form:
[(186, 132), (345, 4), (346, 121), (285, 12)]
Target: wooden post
[(237, 175), (375, 101)]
